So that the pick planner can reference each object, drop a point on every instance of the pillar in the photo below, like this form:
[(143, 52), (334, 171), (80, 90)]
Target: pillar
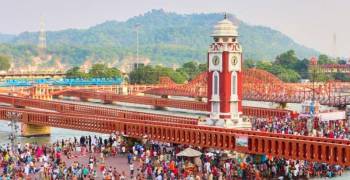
[(282, 105), (31, 130), (84, 99), (55, 96), (200, 99), (124, 90), (107, 102)]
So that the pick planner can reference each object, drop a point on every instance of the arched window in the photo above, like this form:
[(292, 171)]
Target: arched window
[(216, 83), (233, 83)]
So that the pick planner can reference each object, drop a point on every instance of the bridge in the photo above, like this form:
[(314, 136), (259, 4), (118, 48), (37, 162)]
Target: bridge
[(260, 85), (32, 75), (109, 97), (60, 82), (44, 91), (176, 130)]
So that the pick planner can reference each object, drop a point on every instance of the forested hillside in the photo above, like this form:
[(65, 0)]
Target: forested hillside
[(165, 38)]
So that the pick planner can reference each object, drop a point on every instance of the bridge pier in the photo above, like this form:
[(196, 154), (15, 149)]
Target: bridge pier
[(17, 106), (31, 130), (200, 99), (165, 96), (84, 99), (282, 105), (107, 102)]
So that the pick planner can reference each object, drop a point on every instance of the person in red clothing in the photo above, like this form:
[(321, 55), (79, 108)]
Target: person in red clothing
[(58, 157), (149, 171), (176, 172), (214, 171)]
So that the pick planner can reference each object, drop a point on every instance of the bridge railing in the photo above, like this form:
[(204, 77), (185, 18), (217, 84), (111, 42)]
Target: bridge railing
[(85, 109)]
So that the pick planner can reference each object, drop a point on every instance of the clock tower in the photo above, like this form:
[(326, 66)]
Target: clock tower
[(225, 77)]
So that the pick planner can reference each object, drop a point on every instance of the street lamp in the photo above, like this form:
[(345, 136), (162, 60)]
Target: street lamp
[(14, 117)]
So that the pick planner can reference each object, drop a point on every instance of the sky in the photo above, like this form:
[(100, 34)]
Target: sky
[(313, 23)]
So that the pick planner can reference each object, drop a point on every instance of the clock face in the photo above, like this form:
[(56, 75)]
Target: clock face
[(234, 60), (216, 60)]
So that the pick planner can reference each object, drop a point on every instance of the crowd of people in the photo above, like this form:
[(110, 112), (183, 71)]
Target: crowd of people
[(86, 158), (287, 125), (146, 160)]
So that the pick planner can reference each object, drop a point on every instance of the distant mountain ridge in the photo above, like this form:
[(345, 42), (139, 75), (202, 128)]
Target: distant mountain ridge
[(166, 38), (4, 38)]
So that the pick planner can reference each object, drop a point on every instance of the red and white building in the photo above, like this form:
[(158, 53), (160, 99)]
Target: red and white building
[(225, 78)]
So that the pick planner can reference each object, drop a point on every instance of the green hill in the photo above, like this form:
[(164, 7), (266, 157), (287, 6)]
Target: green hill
[(166, 38)]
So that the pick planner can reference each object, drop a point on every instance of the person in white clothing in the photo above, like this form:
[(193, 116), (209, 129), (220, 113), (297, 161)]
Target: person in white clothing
[(131, 167)]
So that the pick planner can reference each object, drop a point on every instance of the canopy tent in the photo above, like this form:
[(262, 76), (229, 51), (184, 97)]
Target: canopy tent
[(189, 152)]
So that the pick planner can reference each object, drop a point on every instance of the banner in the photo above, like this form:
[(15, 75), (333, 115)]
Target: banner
[(242, 140), (332, 116)]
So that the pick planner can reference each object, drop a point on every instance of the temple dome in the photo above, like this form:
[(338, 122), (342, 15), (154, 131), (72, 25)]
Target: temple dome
[(224, 28)]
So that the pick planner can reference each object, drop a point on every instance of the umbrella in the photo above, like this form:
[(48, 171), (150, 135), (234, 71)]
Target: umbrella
[(189, 152)]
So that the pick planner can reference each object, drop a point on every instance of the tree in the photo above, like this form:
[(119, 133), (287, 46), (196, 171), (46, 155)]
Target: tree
[(103, 71), (76, 73), (341, 61), (289, 75), (4, 63), (96, 71), (316, 75), (287, 60), (265, 65), (113, 73), (302, 67), (324, 59), (191, 69), (150, 75), (249, 63), (144, 75), (203, 67)]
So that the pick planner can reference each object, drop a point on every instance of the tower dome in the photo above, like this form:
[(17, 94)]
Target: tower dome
[(225, 28)]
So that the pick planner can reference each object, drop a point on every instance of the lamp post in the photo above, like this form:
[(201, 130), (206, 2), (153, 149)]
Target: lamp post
[(312, 105), (14, 117)]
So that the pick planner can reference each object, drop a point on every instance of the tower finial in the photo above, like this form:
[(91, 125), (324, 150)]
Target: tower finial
[(225, 16)]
